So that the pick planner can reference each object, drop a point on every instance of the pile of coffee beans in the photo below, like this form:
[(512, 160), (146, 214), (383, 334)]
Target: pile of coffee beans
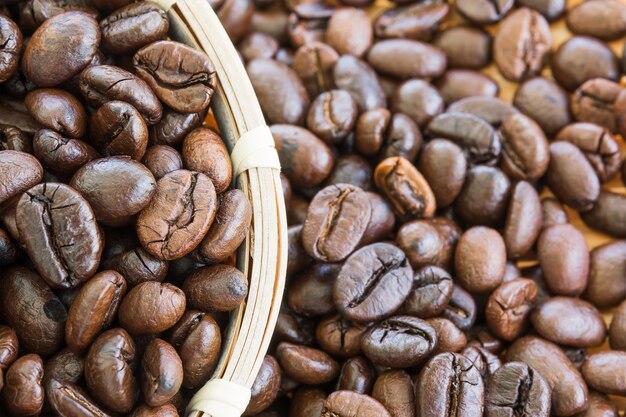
[(118, 225), (437, 264)]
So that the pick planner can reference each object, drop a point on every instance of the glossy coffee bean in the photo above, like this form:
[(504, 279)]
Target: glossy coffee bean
[(20, 171), (553, 212), (545, 102), (13, 139), (216, 288), (606, 288), (484, 11), (569, 391), (167, 410), (12, 41), (68, 399), (550, 9), (332, 116), (109, 370), (117, 128), (314, 63), (516, 388), (161, 160), (348, 403), (58, 110), (161, 373), (65, 366), (266, 386), (600, 405), (340, 337), (430, 294), (138, 265), (593, 102), (423, 244), (394, 389), (293, 328), (617, 339), (465, 47), (602, 372), (305, 364), (62, 156), (307, 402), (605, 20), (449, 337), (607, 214), (354, 170), (485, 361), (420, 60), (490, 109), (59, 231), (8, 346), (350, 32), (360, 80), (22, 392), (133, 26), (356, 375), (412, 21), (455, 85), (525, 148), (480, 259), (524, 220), (444, 166), (372, 283), (461, 309), (509, 306), (417, 99), (204, 151), (310, 292), (173, 127)]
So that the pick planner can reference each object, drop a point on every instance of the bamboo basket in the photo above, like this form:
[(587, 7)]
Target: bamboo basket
[(263, 255)]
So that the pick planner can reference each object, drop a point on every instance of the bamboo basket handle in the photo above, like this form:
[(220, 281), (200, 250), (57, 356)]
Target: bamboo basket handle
[(263, 256)]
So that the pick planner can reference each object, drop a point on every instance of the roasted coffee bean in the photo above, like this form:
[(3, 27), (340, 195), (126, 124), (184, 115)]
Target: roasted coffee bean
[(33, 13), (444, 166), (617, 336), (517, 389), (571, 177), (314, 63), (216, 288), (484, 11), (266, 386), (8, 346), (600, 405), (582, 58), (306, 365), (602, 372), (461, 309), (382, 221), (417, 21), (417, 99), (449, 384), (59, 231), (332, 228), (281, 93), (60, 155), (173, 127), (480, 259), (308, 22), (12, 40), (484, 196), (133, 26), (490, 109), (15, 114), (464, 46), (13, 139), (65, 366), (22, 392), (310, 292), (295, 146), (293, 328), (348, 403), (94, 309), (297, 258), (352, 169), (606, 20), (449, 337), (564, 257), (481, 337), (553, 212), (569, 391), (332, 116), (394, 389), (58, 110), (606, 287), (419, 60), (182, 77), (430, 294), (198, 340), (545, 102), (423, 244), (372, 283), (509, 307), (161, 373), (339, 337), (103, 83), (358, 78), (178, 216), (485, 361), (117, 128), (68, 399), (161, 160), (524, 220), (109, 370), (61, 48), (19, 171), (138, 265), (307, 402), (403, 138), (608, 214), (200, 143), (235, 16), (525, 148), (350, 31), (454, 85), (356, 375), (151, 307), (167, 410), (258, 45), (522, 44), (593, 102), (550, 9)]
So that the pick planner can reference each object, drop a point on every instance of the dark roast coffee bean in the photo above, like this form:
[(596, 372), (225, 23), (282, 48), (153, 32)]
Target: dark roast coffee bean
[(151, 307), (602, 372), (161, 373), (350, 32), (553, 212), (336, 221), (418, 60), (348, 403), (167, 410), (484, 11), (480, 259), (525, 153), (138, 265), (423, 244), (413, 21), (357, 375), (61, 155), (464, 46), (509, 306), (103, 83), (11, 39), (461, 309), (59, 231), (352, 169), (308, 22), (444, 166), (569, 391), (307, 402), (550, 9), (332, 116), (23, 393), (197, 338), (372, 283), (399, 342), (382, 221), (449, 337), (600, 405), (117, 128), (295, 146), (204, 151), (281, 93), (133, 26), (517, 389), (490, 109), (305, 364), (258, 45), (360, 80), (297, 258), (606, 288), (339, 337), (571, 176), (314, 63), (109, 370), (606, 20), (8, 346), (449, 384), (522, 44), (19, 171), (33, 13), (30, 307), (454, 85), (266, 386), (61, 48), (419, 100), (545, 102), (310, 292), (430, 294), (13, 139), (236, 17), (68, 399), (173, 127), (582, 58), (593, 102), (524, 220), (65, 366), (394, 389), (57, 110), (181, 76), (216, 288), (569, 321), (178, 216), (161, 160), (608, 214), (484, 196)]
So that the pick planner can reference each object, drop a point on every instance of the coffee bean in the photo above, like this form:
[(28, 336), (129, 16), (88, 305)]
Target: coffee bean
[(509, 307), (308, 22), (594, 102), (167, 410), (516, 388), (314, 63), (109, 370), (553, 212), (461, 309), (605, 287), (281, 94), (484, 196), (58, 110), (348, 403), (602, 372), (605, 20), (569, 391), (13, 139), (372, 283), (550, 9), (19, 171), (481, 337), (332, 116), (490, 109), (305, 364), (133, 26), (350, 32), (419, 60), (161, 160), (449, 384), (197, 146), (356, 375), (351, 169), (216, 288), (59, 231), (600, 405), (617, 339), (525, 152), (66, 398), (484, 11), (444, 166), (8, 346), (236, 17), (174, 127), (394, 389), (258, 45), (464, 46), (590, 58), (486, 362), (607, 214), (60, 155), (454, 85), (360, 80), (480, 259), (22, 392), (307, 402), (524, 220), (418, 21), (430, 294), (61, 48), (117, 128), (419, 100), (423, 244), (181, 76), (65, 366), (161, 372), (11, 39), (310, 292), (339, 337), (545, 102), (449, 337)]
